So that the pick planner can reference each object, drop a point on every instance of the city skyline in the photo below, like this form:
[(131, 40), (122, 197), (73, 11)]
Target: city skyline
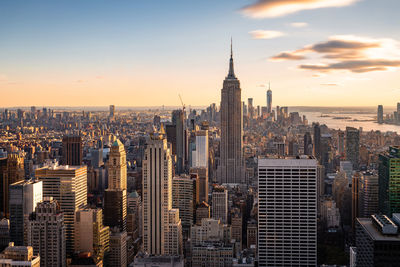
[(112, 54)]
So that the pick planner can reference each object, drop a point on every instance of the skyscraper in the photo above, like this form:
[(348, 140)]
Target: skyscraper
[(24, 195), (377, 242), (287, 212), (46, 233), (202, 173), (159, 219), (389, 181), (72, 150), (67, 185), (117, 166), (178, 119), (91, 235), (250, 108), (380, 114), (269, 100), (308, 146), (368, 194), (231, 168), (12, 170), (115, 197), (182, 199), (317, 142), (353, 146), (220, 204), (200, 155), (341, 143), (118, 249)]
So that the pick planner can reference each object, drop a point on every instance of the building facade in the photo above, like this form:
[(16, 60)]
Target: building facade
[(24, 195), (231, 168), (46, 233), (287, 216), (157, 197), (67, 185)]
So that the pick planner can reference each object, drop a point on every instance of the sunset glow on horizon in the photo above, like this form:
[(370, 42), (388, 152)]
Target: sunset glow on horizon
[(131, 53)]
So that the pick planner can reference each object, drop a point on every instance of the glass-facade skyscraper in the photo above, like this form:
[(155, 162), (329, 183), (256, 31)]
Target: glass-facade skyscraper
[(389, 181)]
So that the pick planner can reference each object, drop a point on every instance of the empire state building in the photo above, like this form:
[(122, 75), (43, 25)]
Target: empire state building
[(231, 168)]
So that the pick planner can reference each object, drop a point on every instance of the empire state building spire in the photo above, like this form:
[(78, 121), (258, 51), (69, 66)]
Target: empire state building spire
[(231, 169), (231, 74)]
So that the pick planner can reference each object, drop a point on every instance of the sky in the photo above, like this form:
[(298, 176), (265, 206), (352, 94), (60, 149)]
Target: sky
[(147, 53)]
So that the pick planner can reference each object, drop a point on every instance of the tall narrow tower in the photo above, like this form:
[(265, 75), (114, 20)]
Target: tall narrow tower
[(115, 202), (162, 229), (231, 168), (269, 99)]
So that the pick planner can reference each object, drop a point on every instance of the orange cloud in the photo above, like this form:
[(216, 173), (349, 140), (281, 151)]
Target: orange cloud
[(357, 66), (287, 56), (277, 8), (348, 52)]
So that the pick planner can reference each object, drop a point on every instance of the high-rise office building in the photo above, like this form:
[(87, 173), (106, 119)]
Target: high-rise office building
[(91, 235), (117, 256), (4, 233), (159, 219), (46, 233), (202, 190), (317, 142), (380, 114), (24, 195), (179, 121), (236, 227), (250, 108), (202, 212), (368, 194), (231, 168), (355, 212), (182, 199), (389, 181), (115, 197), (353, 146), (67, 185), (269, 100), (287, 212), (308, 146), (377, 242), (200, 155), (11, 171), (72, 150), (135, 207), (341, 150), (117, 171), (220, 204), (115, 208)]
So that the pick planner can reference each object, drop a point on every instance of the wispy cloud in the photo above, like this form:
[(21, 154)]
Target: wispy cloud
[(299, 24), (263, 34), (277, 8), (348, 52), (288, 55)]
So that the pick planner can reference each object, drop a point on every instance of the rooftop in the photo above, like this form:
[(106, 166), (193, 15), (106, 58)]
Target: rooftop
[(374, 233)]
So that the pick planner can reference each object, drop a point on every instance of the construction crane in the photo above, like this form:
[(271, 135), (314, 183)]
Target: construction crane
[(183, 105)]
